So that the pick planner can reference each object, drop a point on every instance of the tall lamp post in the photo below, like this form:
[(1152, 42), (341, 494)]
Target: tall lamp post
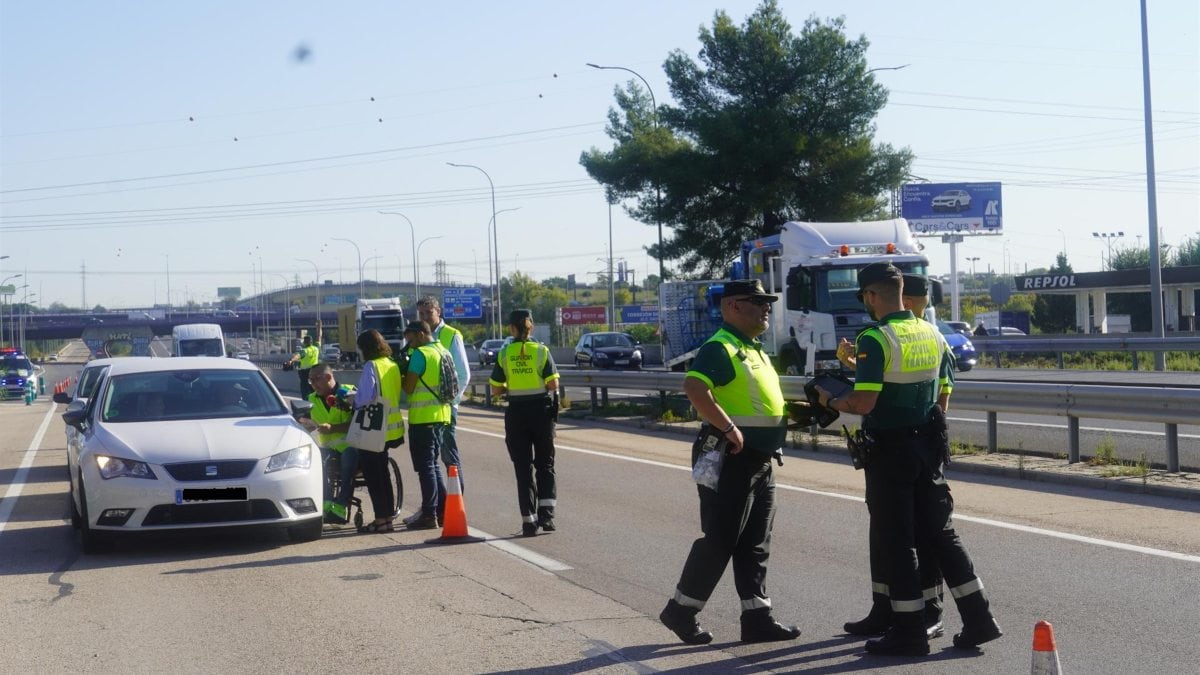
[(287, 310), (168, 257), (417, 263), (1107, 238), (357, 253), (2, 283), (973, 259), (412, 233), (317, 274), (495, 243), (657, 188), (492, 233)]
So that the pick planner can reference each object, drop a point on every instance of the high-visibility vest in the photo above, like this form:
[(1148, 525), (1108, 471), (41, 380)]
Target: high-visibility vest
[(389, 388), (523, 362), (423, 404), (309, 356), (325, 415), (912, 356), (754, 398), (446, 335)]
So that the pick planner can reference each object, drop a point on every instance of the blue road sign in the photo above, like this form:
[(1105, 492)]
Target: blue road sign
[(637, 314), (462, 303), (952, 208)]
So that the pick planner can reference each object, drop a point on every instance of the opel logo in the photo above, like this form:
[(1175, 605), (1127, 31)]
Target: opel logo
[(210, 470)]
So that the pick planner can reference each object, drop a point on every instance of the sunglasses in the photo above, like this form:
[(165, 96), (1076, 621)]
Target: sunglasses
[(859, 294), (759, 302)]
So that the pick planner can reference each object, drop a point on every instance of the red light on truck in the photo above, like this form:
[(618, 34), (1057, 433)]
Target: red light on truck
[(844, 250), (891, 249)]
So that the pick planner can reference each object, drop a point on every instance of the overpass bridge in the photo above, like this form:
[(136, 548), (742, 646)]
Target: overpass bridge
[(71, 326)]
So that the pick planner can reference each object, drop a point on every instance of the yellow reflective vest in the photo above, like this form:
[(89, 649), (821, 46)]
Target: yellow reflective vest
[(389, 388), (423, 404)]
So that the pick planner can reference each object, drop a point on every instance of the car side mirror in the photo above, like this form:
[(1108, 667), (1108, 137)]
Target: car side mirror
[(301, 408), (75, 418), (62, 397)]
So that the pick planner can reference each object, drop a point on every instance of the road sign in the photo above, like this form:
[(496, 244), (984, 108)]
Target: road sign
[(952, 208), (637, 314), (462, 303), (8, 290)]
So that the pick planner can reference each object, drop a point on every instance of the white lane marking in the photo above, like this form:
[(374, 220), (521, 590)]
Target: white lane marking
[(531, 557), (1063, 427), (10, 497), (970, 519)]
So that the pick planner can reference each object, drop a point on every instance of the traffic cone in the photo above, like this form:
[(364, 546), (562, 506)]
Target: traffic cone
[(1045, 654), (454, 521)]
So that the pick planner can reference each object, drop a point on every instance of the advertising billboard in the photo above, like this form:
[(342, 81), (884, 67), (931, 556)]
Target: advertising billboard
[(578, 316), (232, 292), (462, 303), (952, 208)]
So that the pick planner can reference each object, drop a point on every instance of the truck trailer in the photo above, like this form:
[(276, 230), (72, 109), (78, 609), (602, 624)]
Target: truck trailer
[(385, 315)]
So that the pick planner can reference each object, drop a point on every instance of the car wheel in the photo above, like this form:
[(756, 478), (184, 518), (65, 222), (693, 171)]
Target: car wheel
[(309, 530), (964, 367), (76, 519), (90, 540)]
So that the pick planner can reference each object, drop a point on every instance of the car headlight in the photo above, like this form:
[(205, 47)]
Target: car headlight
[(296, 458), (826, 365), (117, 467)]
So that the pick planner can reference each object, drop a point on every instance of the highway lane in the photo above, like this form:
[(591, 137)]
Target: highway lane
[(627, 515)]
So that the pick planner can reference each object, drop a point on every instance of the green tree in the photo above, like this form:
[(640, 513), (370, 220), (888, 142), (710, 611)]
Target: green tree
[(1188, 253), (770, 126), (622, 296), (1053, 313)]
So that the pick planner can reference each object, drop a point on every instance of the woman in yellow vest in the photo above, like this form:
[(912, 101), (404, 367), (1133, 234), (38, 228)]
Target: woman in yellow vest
[(380, 379), (525, 370)]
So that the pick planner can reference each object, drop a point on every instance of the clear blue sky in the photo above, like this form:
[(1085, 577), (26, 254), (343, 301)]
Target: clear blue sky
[(118, 124)]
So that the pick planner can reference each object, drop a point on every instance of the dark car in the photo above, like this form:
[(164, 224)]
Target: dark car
[(608, 350), (488, 350), (965, 356)]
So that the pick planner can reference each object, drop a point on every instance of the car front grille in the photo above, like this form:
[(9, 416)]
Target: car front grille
[(216, 470), (220, 512)]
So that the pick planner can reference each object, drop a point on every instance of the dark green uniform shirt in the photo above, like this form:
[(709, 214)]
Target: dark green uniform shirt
[(898, 405)]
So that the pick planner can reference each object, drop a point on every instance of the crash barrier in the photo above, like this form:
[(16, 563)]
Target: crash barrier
[(996, 346), (1168, 406)]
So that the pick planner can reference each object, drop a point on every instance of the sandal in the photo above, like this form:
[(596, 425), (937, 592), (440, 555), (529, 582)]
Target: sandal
[(377, 528)]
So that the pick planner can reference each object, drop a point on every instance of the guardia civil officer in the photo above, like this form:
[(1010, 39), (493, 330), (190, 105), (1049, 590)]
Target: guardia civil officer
[(525, 370), (307, 356), (902, 364), (735, 390), (915, 298)]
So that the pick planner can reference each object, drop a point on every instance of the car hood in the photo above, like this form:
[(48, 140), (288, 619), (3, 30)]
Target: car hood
[(200, 440)]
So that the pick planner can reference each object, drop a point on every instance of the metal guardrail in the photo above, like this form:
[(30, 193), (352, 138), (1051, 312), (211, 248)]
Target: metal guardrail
[(1168, 406), (1071, 344)]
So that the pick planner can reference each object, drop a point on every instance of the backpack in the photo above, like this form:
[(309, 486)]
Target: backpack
[(447, 389)]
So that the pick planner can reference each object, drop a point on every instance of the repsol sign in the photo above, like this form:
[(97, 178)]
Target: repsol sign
[(1047, 281)]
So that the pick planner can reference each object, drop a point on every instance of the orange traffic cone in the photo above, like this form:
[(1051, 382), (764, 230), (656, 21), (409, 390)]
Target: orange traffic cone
[(1045, 654), (454, 522)]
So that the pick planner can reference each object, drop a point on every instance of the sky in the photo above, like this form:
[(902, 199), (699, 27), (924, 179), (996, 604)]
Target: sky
[(223, 143)]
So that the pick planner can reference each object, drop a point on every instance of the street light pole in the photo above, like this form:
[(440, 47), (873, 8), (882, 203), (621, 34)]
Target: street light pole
[(496, 305), (657, 187), (2, 283), (1107, 238), (287, 310), (357, 253), (318, 285), (972, 260), (412, 234), (417, 263), (612, 288)]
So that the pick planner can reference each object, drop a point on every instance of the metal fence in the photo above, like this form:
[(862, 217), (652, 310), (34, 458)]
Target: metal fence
[(995, 346), (1168, 406)]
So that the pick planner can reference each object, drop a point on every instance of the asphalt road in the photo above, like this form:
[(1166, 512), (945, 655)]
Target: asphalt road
[(1115, 574)]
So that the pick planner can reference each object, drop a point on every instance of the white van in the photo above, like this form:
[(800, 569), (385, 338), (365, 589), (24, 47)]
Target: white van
[(198, 339)]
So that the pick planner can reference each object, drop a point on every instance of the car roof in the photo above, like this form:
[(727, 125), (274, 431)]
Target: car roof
[(150, 364)]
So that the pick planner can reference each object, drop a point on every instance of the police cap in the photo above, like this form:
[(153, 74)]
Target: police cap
[(877, 272), (916, 285), (749, 287)]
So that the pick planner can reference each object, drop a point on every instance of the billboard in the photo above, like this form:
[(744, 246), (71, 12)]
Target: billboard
[(462, 303), (578, 316), (637, 314), (233, 292), (952, 208)]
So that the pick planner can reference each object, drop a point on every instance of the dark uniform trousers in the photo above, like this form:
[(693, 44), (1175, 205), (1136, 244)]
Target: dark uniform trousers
[(736, 520), (912, 502), (931, 572), (529, 436)]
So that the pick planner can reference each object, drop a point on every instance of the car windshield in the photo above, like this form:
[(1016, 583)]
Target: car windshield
[(493, 344), (611, 340), (16, 365), (946, 330), (189, 394)]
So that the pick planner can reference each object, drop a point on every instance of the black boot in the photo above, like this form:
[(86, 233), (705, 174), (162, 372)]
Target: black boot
[(682, 621), (877, 621), (977, 633), (759, 626), (900, 641)]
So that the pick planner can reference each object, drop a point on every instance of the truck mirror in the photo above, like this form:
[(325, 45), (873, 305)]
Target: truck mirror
[(935, 292)]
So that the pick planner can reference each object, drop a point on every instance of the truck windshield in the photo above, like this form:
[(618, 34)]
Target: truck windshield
[(388, 326), (208, 347), (837, 287)]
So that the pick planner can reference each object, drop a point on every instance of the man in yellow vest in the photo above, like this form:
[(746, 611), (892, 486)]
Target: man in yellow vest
[(428, 417), (330, 418), (307, 356), (429, 310), (735, 390)]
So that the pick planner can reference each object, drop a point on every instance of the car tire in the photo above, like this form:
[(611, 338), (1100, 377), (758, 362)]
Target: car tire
[(90, 540), (309, 530), (964, 367)]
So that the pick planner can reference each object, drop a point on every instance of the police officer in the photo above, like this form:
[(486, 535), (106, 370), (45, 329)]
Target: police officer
[(902, 364), (525, 370), (736, 391), (308, 356), (915, 298)]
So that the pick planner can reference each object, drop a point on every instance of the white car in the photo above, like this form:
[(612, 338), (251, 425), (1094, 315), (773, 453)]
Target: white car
[(190, 443), (241, 355), (952, 200)]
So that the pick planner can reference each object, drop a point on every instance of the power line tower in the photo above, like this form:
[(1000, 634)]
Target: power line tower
[(439, 273)]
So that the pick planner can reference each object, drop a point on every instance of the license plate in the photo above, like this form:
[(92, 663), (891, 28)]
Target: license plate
[(622, 362), (231, 494)]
